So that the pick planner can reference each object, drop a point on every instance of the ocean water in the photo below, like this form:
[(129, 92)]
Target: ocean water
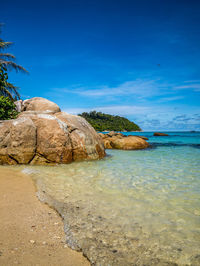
[(133, 207)]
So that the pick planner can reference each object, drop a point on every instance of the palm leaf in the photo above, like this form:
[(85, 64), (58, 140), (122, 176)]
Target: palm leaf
[(12, 65), (5, 92), (6, 55), (4, 45)]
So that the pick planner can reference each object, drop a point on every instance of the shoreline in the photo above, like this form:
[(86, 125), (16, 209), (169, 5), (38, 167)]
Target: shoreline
[(31, 232)]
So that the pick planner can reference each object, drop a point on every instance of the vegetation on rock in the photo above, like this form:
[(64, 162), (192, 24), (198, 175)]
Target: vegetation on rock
[(7, 109), (102, 122)]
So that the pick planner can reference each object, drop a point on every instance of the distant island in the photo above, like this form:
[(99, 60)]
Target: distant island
[(107, 122)]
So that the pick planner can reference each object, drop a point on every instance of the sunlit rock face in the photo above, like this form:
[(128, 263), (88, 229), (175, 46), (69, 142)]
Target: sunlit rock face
[(42, 134), (119, 141)]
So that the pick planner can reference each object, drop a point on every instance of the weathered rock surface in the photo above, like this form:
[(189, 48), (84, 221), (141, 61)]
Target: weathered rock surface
[(129, 143), (17, 141), (37, 104), (86, 143), (142, 137), (120, 141), (46, 136), (157, 134)]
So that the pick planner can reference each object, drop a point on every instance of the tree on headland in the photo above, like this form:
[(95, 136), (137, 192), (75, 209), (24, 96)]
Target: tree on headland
[(102, 122), (7, 63)]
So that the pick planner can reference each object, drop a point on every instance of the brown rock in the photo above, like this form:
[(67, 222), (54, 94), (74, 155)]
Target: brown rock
[(129, 143), (142, 137), (103, 136), (19, 105), (86, 143), (17, 141), (160, 134), (107, 144), (46, 137), (113, 133), (53, 141), (39, 104)]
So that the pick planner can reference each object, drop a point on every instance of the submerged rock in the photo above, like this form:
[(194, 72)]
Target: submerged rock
[(160, 134), (43, 135)]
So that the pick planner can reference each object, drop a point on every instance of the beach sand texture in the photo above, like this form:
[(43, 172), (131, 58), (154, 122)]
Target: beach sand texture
[(31, 233)]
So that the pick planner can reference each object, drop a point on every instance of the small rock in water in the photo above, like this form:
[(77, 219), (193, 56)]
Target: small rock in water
[(55, 223), (44, 243), (32, 241)]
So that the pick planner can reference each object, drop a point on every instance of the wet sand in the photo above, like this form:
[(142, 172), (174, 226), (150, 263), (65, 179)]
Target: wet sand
[(31, 233)]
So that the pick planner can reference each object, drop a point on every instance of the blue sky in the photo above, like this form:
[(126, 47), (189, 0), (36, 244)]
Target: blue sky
[(135, 58)]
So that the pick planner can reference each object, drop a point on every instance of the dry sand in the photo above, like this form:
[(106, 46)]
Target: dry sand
[(31, 233)]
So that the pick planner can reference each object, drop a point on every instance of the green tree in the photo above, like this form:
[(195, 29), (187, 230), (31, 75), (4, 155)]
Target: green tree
[(7, 108), (7, 89), (101, 122), (7, 63)]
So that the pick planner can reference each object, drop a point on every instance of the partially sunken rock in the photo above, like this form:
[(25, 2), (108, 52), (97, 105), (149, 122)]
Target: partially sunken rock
[(129, 143), (43, 135), (157, 134), (122, 142)]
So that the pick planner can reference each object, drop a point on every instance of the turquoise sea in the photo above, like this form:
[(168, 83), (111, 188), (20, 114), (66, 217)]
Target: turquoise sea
[(133, 207)]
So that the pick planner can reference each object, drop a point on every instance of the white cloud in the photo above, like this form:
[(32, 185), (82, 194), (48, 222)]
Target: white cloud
[(141, 88), (195, 87), (173, 98), (115, 110)]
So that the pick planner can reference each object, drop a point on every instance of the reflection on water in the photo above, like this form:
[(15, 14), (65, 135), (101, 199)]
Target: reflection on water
[(132, 208)]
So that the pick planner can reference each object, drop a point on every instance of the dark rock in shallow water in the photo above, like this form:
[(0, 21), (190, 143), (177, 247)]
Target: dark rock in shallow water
[(44, 135), (160, 134)]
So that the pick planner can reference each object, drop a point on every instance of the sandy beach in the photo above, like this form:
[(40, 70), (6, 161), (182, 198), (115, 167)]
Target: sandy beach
[(31, 233)]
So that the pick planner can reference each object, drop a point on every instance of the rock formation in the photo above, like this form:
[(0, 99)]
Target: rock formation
[(42, 134), (115, 140), (157, 134)]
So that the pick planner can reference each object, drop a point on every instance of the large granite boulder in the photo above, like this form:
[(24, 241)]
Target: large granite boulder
[(47, 137), (17, 141), (122, 142), (86, 143), (158, 134), (37, 104)]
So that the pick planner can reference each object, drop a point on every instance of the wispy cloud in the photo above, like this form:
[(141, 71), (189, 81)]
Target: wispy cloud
[(116, 110), (173, 98), (195, 87), (192, 81), (139, 87)]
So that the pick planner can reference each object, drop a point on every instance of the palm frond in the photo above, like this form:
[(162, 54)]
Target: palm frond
[(12, 65), (5, 92), (13, 90), (6, 55), (4, 45)]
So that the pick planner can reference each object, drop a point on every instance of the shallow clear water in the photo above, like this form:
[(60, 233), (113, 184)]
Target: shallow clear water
[(133, 207)]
